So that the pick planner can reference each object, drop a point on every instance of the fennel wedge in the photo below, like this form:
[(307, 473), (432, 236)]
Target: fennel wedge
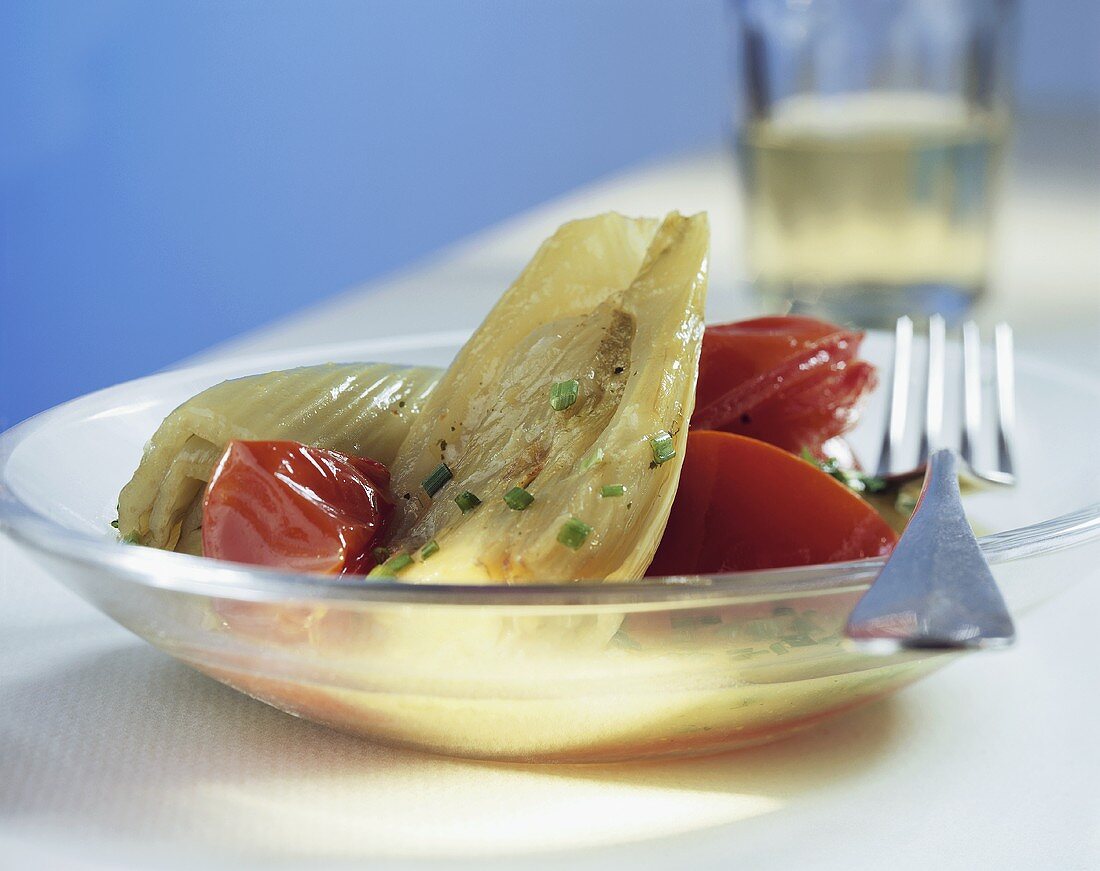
[(363, 409), (612, 308)]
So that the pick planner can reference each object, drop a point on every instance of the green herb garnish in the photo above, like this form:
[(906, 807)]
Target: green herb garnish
[(518, 499), (114, 523), (398, 562), (391, 567), (467, 501), (853, 479), (435, 481), (596, 456), (563, 394), (431, 548), (661, 445), (609, 491), (573, 533)]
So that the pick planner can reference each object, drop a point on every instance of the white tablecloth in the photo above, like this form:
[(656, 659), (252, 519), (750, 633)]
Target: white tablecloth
[(112, 755)]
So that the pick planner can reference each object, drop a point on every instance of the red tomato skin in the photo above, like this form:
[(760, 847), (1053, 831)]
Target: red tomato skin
[(791, 381), (292, 507), (744, 505)]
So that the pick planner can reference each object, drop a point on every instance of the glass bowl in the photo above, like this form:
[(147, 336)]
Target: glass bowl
[(579, 672)]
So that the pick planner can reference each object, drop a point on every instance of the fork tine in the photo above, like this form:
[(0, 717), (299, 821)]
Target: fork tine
[(899, 395), (972, 391), (932, 435), (1006, 399)]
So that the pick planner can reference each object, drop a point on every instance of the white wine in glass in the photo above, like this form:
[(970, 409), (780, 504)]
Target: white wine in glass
[(858, 201)]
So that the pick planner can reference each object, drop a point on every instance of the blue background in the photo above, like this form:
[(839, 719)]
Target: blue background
[(173, 173)]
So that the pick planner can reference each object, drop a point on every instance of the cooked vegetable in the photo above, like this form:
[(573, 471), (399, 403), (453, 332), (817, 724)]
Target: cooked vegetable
[(615, 305), (292, 507), (790, 381), (357, 409), (744, 505)]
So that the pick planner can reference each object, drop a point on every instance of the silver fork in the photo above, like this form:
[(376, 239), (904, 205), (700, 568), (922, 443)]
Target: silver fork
[(936, 590)]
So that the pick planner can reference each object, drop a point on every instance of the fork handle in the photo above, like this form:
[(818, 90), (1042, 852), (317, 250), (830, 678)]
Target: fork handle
[(936, 591)]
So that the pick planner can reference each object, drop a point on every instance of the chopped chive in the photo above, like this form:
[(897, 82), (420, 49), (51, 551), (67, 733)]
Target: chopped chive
[(435, 481), (114, 523), (854, 479), (563, 394), (518, 499), (391, 567), (873, 484), (608, 491), (431, 548), (573, 533), (596, 456), (467, 501), (398, 562), (661, 445)]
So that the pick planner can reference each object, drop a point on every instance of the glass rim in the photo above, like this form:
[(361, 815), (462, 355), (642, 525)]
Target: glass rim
[(184, 573)]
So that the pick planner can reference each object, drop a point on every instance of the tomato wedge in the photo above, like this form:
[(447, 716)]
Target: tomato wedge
[(744, 505), (791, 381), (290, 506)]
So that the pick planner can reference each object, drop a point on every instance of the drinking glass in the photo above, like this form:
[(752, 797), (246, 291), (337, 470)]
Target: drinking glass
[(870, 144)]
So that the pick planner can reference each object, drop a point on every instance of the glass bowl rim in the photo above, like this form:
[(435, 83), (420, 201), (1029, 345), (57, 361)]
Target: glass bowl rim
[(183, 573)]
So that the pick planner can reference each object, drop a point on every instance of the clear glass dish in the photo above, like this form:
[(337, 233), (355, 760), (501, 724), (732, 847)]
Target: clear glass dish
[(566, 672)]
